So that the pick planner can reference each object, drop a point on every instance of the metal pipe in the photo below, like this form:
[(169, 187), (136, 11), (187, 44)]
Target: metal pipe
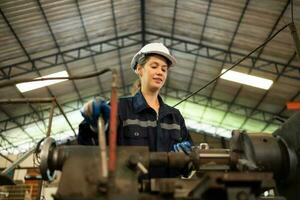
[(103, 172), (215, 156), (18, 161), (26, 100), (113, 125)]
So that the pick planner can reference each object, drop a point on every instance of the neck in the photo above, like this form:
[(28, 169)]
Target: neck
[(151, 98)]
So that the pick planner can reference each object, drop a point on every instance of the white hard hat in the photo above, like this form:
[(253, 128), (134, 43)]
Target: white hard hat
[(156, 48)]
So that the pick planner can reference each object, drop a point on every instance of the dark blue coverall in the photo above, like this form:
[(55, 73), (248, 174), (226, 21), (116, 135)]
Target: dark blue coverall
[(139, 125)]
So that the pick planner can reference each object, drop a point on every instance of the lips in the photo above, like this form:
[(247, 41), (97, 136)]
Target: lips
[(158, 80)]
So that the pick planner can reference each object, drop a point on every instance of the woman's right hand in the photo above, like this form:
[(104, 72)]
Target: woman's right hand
[(93, 109)]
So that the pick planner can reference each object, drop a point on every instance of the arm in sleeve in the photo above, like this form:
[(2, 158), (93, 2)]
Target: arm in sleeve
[(86, 136)]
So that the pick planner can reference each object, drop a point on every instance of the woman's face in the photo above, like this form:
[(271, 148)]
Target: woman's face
[(154, 73)]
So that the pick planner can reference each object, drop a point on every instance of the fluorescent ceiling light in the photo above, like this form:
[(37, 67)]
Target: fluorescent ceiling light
[(247, 79), (24, 87)]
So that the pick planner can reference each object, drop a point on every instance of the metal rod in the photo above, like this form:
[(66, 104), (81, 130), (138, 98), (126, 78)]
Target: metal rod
[(214, 155), (51, 118), (26, 100), (23, 80), (6, 158), (18, 161), (40, 100), (113, 125), (295, 38), (102, 146), (65, 116)]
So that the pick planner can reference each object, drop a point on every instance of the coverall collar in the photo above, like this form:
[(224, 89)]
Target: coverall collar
[(140, 103)]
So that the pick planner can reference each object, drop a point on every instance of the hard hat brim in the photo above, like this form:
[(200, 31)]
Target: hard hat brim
[(165, 55)]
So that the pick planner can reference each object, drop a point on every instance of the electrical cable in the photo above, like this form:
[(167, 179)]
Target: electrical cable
[(234, 65)]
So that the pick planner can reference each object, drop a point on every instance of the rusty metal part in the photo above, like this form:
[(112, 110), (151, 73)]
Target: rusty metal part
[(214, 185), (113, 125)]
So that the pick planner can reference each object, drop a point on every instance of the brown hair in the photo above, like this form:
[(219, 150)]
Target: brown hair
[(145, 57), (136, 86)]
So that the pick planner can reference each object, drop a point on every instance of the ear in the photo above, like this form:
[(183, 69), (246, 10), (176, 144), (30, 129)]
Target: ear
[(139, 70)]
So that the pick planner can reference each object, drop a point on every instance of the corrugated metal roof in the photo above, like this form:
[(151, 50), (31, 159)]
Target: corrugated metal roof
[(42, 37)]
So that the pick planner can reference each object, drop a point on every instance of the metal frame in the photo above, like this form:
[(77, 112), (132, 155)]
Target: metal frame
[(29, 59), (280, 112), (88, 42), (58, 47), (69, 56), (40, 100), (225, 56), (117, 41), (54, 103), (200, 41), (218, 104), (143, 22), (172, 36), (267, 66), (257, 57), (221, 105)]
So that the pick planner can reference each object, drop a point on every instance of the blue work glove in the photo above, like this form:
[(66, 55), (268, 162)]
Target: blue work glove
[(93, 109), (185, 147)]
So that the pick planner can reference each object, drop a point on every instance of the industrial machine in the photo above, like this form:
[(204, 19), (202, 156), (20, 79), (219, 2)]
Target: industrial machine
[(255, 166)]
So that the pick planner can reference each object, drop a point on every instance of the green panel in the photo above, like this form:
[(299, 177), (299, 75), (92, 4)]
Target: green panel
[(253, 126), (271, 128), (230, 126), (233, 120), (172, 101), (213, 115), (193, 111)]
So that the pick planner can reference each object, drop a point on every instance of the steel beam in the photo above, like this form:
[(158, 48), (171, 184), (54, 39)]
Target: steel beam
[(28, 57), (200, 41), (143, 22), (172, 36), (279, 114), (206, 51), (72, 55), (57, 46), (258, 56), (203, 100), (118, 49), (88, 42)]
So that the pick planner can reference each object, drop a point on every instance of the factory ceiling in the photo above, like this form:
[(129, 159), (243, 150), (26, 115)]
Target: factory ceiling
[(42, 37)]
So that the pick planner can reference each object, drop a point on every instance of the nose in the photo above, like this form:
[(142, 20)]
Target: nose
[(160, 71)]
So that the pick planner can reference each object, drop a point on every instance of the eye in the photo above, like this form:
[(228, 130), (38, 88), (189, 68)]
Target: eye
[(164, 69)]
